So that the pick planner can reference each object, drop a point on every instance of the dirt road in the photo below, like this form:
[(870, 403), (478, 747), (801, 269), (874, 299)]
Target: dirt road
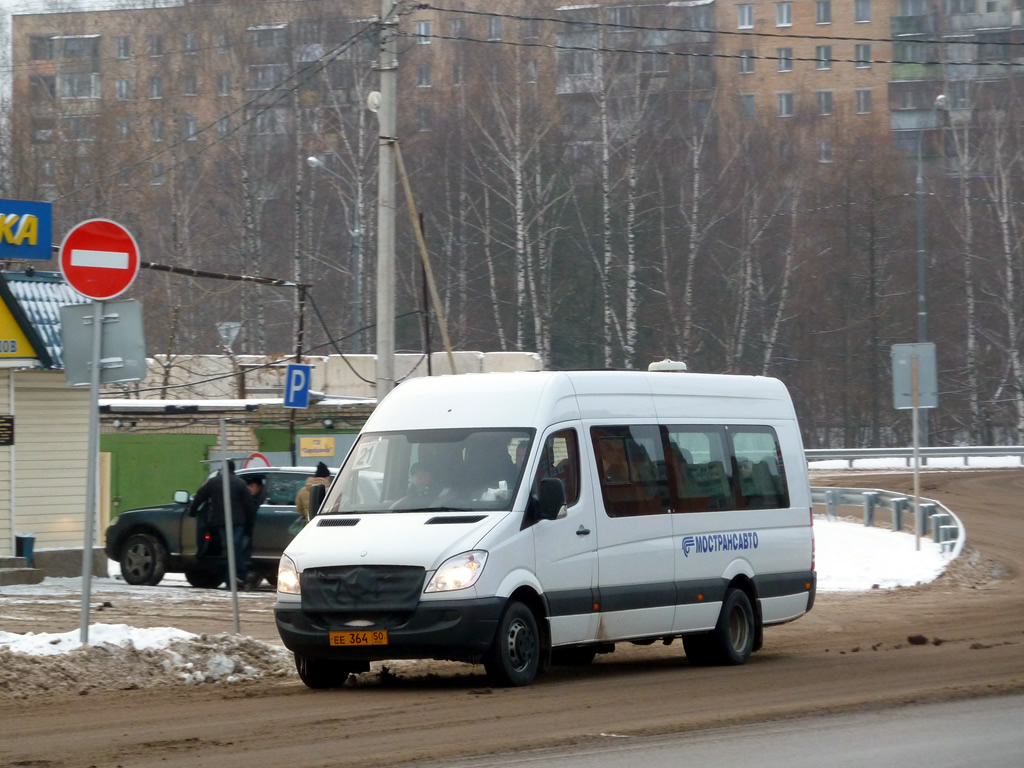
[(850, 653)]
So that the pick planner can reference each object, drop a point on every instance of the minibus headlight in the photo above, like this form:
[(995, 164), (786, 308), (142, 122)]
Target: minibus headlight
[(287, 577), (459, 572)]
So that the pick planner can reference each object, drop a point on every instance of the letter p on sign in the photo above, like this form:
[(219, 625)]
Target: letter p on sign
[(296, 386)]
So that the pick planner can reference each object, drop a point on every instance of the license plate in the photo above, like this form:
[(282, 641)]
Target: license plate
[(376, 637)]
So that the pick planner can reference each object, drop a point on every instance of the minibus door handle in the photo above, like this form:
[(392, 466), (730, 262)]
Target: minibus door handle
[(581, 531)]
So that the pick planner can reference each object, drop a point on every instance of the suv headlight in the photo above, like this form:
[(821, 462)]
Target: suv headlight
[(287, 577), (459, 572)]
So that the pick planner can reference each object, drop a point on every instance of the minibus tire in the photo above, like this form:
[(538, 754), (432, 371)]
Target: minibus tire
[(733, 637), (514, 656), (321, 673)]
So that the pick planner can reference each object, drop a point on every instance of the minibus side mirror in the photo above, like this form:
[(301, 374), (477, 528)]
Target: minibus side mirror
[(317, 494), (181, 497), (551, 499)]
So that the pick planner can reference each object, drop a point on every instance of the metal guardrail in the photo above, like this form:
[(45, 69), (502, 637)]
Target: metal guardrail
[(946, 528), (852, 454)]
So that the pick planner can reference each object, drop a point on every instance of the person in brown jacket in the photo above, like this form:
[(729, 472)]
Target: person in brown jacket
[(321, 477)]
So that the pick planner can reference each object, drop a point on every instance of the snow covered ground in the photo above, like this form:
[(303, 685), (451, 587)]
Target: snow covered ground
[(850, 558)]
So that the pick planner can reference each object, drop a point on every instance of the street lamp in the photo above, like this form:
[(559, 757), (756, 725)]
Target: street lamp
[(922, 304), (357, 247)]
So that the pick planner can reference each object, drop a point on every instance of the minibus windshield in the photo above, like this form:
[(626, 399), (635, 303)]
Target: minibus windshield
[(431, 470)]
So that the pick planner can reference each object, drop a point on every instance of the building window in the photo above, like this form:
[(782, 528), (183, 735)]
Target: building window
[(123, 129), (620, 17), (156, 87), (783, 14), (959, 95), (825, 151), (823, 53), (531, 29), (785, 104), (80, 85), (223, 127), (824, 102), (746, 16), (271, 121), (155, 45), (269, 36), (188, 85), (785, 57), (423, 75), (747, 107), (425, 119), (493, 29), (123, 89), (189, 43), (863, 101), (657, 63), (43, 87), (458, 29), (263, 77), (862, 10), (156, 128), (224, 84), (40, 48), (954, 7), (823, 12), (189, 128), (531, 71), (862, 55), (220, 42), (746, 60), (309, 121), (423, 32), (458, 74), (124, 47), (78, 128), (156, 173)]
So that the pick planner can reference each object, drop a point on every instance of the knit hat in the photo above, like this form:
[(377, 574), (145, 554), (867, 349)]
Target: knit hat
[(322, 470)]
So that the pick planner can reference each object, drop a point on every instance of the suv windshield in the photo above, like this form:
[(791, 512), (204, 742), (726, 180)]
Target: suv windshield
[(431, 469)]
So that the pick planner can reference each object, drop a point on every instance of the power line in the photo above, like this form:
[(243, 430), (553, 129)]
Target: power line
[(696, 30)]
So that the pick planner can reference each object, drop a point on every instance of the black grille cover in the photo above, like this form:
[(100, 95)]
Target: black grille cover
[(335, 522), (359, 588)]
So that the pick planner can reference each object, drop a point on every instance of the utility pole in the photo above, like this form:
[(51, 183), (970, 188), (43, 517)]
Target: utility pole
[(387, 116)]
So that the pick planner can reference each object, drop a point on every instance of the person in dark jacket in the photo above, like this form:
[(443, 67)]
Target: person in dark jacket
[(240, 498)]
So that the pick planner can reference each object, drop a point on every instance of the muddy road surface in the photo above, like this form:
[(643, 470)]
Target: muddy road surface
[(961, 636)]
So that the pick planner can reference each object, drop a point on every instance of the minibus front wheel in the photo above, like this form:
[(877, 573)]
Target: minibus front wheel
[(323, 673), (514, 656)]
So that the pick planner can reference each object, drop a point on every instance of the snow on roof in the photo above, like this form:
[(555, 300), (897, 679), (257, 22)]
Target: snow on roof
[(40, 296), (122, 404)]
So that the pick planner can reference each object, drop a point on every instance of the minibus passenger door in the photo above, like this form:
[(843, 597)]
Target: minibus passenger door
[(566, 548)]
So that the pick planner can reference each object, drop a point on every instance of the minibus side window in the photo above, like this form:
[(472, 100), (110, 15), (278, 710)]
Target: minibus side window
[(631, 461), (761, 479), (700, 468), (560, 458)]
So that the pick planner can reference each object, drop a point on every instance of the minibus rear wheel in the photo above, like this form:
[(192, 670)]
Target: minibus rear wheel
[(514, 656), (732, 639)]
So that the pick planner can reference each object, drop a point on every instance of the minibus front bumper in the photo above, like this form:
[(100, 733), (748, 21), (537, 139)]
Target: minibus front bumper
[(458, 630)]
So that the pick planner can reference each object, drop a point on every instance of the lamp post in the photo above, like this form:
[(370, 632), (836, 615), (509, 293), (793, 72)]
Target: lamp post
[(357, 247), (922, 301)]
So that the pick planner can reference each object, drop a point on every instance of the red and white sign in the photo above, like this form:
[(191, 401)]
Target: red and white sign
[(99, 259)]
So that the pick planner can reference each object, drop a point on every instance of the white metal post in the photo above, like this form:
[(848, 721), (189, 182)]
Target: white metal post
[(229, 524), (92, 467)]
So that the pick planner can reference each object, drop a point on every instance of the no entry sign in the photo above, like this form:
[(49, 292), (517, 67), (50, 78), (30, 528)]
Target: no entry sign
[(99, 259)]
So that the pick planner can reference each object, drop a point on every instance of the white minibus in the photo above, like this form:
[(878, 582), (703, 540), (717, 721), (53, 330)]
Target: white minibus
[(523, 519)]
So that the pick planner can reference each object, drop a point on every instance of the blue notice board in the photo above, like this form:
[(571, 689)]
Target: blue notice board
[(26, 230)]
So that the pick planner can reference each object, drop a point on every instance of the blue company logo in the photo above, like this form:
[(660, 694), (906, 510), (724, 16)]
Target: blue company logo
[(719, 542)]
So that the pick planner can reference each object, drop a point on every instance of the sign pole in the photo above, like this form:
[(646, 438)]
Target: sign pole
[(92, 466), (229, 524), (917, 455)]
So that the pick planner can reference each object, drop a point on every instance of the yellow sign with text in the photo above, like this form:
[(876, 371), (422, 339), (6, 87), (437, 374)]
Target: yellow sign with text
[(13, 343), (316, 447)]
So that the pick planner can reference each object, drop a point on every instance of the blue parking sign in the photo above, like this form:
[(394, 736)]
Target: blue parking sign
[(296, 386)]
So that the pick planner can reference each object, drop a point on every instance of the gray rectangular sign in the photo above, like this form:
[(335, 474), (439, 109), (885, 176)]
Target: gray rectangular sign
[(123, 351), (903, 356)]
